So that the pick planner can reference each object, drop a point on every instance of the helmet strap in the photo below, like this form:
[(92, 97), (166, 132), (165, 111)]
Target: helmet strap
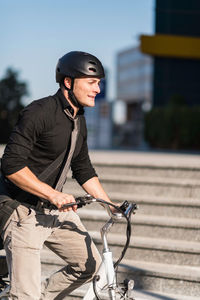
[(72, 97)]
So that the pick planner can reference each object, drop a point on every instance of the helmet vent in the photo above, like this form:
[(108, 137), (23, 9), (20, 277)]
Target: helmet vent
[(92, 62), (92, 70)]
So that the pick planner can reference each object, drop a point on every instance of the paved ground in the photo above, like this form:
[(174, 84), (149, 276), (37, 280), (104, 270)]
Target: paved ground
[(146, 158)]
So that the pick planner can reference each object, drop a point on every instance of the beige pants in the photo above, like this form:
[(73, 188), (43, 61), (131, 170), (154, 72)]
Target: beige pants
[(63, 233)]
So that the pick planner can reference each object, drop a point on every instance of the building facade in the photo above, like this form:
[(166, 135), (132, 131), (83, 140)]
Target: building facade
[(99, 121), (134, 88), (176, 51)]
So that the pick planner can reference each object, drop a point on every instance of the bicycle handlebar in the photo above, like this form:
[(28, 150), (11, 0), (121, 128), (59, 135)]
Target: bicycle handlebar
[(124, 209)]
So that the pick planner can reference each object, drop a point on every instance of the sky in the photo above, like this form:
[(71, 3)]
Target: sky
[(34, 34)]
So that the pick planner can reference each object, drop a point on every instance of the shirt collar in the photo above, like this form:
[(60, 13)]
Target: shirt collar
[(65, 104)]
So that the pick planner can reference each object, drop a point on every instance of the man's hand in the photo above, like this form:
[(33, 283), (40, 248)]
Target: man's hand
[(59, 199)]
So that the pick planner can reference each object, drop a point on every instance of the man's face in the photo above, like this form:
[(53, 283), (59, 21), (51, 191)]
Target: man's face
[(85, 90)]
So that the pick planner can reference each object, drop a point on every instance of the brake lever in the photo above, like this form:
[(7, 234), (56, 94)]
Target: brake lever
[(118, 215), (131, 209), (127, 208)]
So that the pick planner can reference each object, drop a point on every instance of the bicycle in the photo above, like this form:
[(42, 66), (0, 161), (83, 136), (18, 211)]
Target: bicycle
[(105, 281)]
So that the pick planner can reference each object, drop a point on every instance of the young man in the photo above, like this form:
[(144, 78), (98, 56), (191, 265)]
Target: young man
[(45, 129)]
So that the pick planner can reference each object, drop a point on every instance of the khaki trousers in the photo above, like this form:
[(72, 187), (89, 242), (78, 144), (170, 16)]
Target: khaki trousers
[(62, 232)]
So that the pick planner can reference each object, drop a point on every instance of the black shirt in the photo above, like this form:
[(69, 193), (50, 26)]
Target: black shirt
[(43, 132)]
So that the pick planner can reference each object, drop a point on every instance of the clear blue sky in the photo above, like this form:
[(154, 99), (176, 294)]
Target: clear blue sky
[(35, 33)]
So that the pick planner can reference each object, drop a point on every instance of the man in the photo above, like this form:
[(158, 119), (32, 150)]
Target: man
[(44, 130)]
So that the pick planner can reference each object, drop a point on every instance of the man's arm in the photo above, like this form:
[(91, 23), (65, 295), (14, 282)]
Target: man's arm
[(27, 181), (95, 189)]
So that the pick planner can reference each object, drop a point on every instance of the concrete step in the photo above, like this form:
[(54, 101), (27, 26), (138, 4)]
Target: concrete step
[(153, 249), (152, 186), (154, 205), (165, 278), (171, 187), (161, 205), (139, 158), (148, 170), (155, 278), (146, 225)]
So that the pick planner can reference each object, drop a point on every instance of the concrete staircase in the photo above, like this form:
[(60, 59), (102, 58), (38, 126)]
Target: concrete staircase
[(164, 253)]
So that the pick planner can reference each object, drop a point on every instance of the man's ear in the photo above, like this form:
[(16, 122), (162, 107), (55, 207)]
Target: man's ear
[(67, 82)]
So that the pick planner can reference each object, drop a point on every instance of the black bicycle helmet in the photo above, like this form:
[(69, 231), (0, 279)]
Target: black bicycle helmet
[(78, 64)]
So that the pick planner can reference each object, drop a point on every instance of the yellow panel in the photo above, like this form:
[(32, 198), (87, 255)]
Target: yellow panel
[(170, 46)]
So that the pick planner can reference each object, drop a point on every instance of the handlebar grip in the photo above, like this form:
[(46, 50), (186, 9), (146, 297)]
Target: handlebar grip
[(80, 202)]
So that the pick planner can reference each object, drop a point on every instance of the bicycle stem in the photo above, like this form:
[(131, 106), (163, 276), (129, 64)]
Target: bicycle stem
[(104, 230)]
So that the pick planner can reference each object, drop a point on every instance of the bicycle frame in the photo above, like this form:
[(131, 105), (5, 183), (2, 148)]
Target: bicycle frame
[(106, 275)]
